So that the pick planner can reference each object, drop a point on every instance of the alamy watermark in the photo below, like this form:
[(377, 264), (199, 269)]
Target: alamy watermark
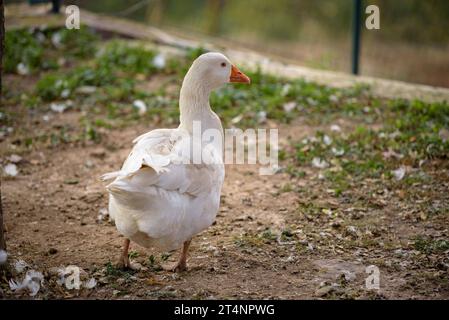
[(372, 22), (72, 20), (372, 282), (233, 146), (70, 278)]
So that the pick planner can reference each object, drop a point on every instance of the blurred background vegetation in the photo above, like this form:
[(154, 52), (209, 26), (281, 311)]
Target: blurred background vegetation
[(412, 44)]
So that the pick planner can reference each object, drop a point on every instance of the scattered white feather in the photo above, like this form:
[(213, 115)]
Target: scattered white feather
[(261, 116), (338, 152), (86, 89), (237, 119), (319, 163), (20, 265), (399, 174), (289, 106), (333, 98), (90, 284), (390, 153), (327, 140), (285, 89), (3, 256), (140, 106), (56, 39), (335, 127), (23, 69), (65, 93), (14, 158), (11, 170), (159, 61), (58, 107), (32, 282), (103, 214)]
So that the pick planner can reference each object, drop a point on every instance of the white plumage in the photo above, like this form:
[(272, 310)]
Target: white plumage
[(160, 198), (156, 200)]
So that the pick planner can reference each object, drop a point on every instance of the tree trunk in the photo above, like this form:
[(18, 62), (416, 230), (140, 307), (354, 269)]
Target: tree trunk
[(2, 42)]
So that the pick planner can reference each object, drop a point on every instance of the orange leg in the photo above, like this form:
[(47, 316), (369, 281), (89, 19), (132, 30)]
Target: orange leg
[(181, 265), (123, 262)]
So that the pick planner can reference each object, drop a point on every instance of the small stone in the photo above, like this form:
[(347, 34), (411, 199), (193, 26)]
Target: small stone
[(52, 251), (323, 291), (137, 266)]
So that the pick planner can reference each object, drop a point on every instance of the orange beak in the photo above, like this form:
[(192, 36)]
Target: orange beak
[(238, 76)]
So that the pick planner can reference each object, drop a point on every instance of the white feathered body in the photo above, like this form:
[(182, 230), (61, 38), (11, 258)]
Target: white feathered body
[(163, 196), (160, 198)]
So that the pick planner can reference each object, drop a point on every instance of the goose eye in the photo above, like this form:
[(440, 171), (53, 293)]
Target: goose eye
[(223, 64)]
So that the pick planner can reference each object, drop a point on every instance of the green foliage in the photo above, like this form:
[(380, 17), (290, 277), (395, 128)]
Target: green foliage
[(114, 272), (272, 96), (428, 245), (21, 47), (39, 49), (63, 85), (410, 130), (130, 59), (77, 42)]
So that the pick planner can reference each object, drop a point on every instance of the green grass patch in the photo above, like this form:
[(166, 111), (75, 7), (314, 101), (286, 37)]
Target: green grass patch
[(428, 245), (35, 49)]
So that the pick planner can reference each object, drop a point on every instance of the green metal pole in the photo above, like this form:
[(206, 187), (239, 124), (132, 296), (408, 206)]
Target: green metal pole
[(356, 24)]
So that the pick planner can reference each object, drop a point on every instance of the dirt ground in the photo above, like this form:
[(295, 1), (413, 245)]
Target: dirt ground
[(51, 211)]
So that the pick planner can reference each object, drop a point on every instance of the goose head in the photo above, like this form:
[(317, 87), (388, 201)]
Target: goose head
[(212, 70)]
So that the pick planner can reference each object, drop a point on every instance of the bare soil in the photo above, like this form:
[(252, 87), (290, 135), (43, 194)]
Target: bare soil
[(51, 211)]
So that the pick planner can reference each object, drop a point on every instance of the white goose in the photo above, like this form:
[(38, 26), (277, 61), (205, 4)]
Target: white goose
[(161, 197)]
